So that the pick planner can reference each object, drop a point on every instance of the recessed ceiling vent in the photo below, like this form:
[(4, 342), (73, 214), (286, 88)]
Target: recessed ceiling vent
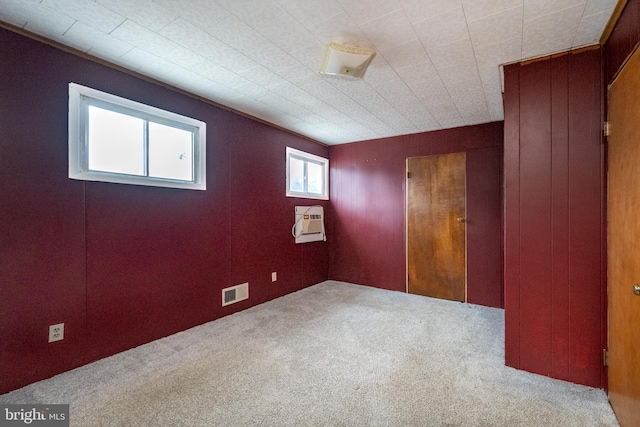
[(347, 61)]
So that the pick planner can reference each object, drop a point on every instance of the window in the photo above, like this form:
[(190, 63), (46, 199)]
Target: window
[(307, 175), (113, 139)]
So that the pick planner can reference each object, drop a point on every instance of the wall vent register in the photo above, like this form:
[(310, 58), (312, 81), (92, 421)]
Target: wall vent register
[(235, 294)]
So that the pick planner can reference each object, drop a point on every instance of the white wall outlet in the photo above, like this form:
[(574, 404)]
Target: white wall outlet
[(56, 332), (274, 276)]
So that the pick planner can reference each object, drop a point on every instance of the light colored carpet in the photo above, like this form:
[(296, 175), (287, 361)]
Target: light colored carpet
[(333, 354)]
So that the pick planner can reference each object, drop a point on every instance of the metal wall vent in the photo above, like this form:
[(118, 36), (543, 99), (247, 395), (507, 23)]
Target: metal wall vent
[(235, 294)]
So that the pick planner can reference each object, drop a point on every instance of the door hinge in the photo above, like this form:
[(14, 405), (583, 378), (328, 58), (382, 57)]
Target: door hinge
[(607, 129), (408, 174), (605, 357)]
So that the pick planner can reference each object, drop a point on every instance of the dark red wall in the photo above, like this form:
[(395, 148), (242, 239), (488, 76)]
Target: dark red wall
[(555, 301), (623, 39), (368, 201), (122, 265)]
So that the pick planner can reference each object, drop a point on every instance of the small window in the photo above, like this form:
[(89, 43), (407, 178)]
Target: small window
[(113, 139), (307, 175)]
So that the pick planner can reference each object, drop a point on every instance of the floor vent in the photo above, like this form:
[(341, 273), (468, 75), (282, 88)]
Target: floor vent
[(235, 294)]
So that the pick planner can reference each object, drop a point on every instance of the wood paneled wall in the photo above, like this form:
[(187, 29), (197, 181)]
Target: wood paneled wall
[(622, 40), (122, 265), (368, 205), (554, 205)]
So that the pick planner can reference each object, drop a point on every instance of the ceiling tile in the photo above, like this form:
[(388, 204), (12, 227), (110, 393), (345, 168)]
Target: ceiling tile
[(405, 55), (291, 90), (390, 30), (379, 71), (377, 126), (588, 33), (495, 28), (458, 55), (213, 72), (254, 45), (422, 119), (315, 119), (419, 10), (252, 90), (138, 59), (253, 12), (284, 31), (476, 9), (262, 77), (542, 31), (272, 57), (188, 35), (442, 29), (543, 47), (340, 28), (503, 52), (492, 86), (395, 92), (475, 116), (89, 12), (299, 76), (594, 7), (204, 14), (422, 79), (144, 12), (310, 56), (310, 12), (16, 12), (33, 17), (363, 11), (321, 90), (94, 41), (538, 8), (443, 111), (237, 34), (145, 39), (467, 93)]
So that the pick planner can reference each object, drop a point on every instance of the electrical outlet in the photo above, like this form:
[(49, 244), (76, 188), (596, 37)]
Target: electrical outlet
[(274, 276), (56, 332)]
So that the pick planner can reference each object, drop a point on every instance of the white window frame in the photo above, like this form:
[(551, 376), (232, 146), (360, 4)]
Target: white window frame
[(307, 157), (80, 97)]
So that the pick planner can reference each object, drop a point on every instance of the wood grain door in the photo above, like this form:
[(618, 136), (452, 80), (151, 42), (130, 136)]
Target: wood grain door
[(436, 226), (623, 271)]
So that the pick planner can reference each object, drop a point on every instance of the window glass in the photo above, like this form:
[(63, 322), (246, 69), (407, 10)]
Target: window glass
[(113, 139), (116, 142), (315, 178), (296, 175), (170, 152), (307, 175)]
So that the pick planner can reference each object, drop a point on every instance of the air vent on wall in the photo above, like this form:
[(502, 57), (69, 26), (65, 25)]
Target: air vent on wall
[(235, 294)]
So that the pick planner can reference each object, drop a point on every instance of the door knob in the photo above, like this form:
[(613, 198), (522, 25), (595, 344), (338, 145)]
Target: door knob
[(461, 219), (636, 289)]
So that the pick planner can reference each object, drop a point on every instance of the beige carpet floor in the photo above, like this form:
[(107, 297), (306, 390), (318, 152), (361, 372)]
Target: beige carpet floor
[(334, 354)]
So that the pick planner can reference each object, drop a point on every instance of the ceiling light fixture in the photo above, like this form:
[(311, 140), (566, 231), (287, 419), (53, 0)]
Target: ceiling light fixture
[(348, 61)]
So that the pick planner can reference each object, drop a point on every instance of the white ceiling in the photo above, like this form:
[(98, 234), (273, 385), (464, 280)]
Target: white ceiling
[(437, 62)]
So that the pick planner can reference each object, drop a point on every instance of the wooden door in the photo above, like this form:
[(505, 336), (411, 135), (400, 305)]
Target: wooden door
[(436, 226), (623, 210)]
